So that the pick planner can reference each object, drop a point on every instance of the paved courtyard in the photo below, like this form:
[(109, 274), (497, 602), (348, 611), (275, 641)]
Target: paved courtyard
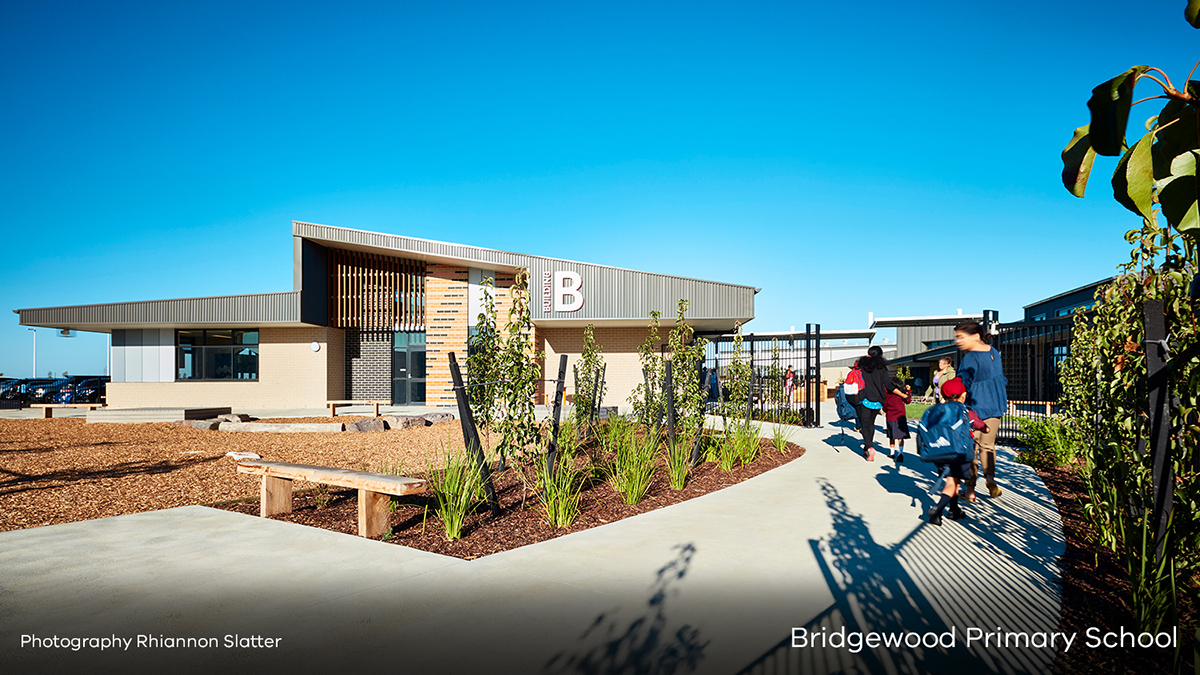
[(718, 584)]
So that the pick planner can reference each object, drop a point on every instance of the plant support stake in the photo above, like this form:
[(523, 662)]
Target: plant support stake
[(471, 435), (1160, 420), (552, 450)]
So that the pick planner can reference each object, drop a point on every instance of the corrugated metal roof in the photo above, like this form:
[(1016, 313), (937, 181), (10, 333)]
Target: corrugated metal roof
[(259, 309)]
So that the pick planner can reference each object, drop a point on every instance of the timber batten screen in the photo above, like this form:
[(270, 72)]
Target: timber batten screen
[(375, 292)]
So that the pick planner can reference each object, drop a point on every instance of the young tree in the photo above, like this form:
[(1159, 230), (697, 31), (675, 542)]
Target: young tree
[(589, 385)]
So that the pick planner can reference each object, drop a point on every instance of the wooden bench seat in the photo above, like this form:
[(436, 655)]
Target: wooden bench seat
[(48, 408), (374, 489), (334, 405)]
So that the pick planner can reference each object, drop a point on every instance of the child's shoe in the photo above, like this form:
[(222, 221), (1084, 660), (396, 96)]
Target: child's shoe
[(899, 457), (935, 518), (994, 490), (870, 455), (955, 513)]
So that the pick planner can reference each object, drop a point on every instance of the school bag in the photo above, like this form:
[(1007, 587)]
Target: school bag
[(844, 410), (944, 434), (854, 382)]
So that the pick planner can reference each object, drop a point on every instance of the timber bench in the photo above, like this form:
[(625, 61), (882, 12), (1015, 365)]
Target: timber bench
[(48, 408), (374, 490), (334, 405)]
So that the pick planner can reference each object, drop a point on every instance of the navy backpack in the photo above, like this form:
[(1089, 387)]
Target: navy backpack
[(944, 434), (844, 409)]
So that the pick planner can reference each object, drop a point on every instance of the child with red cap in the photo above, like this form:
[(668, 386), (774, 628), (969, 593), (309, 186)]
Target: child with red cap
[(955, 472)]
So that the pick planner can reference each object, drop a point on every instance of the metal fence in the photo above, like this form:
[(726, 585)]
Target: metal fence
[(786, 381), (1009, 428)]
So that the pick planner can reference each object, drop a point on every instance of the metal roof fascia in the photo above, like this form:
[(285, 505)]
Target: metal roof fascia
[(259, 308)]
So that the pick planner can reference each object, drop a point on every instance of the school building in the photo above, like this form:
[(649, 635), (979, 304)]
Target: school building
[(374, 316)]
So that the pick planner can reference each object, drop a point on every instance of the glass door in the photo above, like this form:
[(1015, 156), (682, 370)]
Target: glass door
[(408, 368)]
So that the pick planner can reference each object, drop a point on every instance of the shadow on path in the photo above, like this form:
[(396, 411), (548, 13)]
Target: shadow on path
[(934, 581), (645, 646)]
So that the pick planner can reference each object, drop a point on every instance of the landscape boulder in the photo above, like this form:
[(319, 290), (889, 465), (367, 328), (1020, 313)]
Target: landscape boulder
[(436, 417), (367, 424), (404, 421), (206, 425), (182, 423), (230, 417)]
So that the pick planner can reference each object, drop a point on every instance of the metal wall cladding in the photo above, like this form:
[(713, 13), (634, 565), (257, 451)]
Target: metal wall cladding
[(254, 309), (613, 293), (608, 292), (911, 339)]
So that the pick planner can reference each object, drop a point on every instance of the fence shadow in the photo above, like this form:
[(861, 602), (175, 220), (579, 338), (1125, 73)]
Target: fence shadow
[(644, 646), (937, 580)]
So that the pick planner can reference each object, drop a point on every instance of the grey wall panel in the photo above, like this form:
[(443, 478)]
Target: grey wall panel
[(312, 278), (133, 355), (229, 310), (118, 356), (166, 354)]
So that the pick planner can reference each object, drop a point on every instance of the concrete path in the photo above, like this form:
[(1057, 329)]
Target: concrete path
[(713, 585)]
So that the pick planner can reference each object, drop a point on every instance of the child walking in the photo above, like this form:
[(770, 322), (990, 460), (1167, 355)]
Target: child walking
[(946, 436), (897, 417)]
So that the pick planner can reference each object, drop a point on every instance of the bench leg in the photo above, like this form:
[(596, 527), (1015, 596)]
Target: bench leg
[(375, 409), (275, 496), (374, 512), (47, 413), (332, 410)]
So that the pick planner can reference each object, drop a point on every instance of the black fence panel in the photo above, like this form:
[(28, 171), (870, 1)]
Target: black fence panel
[(786, 374)]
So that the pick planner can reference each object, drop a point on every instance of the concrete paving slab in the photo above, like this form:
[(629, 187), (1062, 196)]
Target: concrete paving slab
[(717, 584)]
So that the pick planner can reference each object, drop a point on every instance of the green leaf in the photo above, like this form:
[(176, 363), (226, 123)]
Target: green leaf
[(1192, 13), (1077, 160), (1133, 181), (1178, 194), (1178, 131), (1109, 106)]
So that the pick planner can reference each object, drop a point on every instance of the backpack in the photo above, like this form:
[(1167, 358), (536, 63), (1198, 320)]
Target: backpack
[(844, 410), (944, 434), (854, 382)]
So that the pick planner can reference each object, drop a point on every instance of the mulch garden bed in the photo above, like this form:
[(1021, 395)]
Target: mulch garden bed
[(415, 522), (1096, 592)]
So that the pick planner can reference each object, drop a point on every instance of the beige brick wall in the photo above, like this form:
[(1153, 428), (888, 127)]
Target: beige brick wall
[(445, 329), (620, 355), (290, 375)]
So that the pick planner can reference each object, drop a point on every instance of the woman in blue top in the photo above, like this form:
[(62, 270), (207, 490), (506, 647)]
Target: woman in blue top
[(987, 394)]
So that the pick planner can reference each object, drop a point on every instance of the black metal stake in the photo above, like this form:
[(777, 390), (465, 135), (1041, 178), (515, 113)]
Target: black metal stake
[(750, 396), (817, 378), (471, 435), (669, 395), (706, 387), (552, 448), (1160, 420)]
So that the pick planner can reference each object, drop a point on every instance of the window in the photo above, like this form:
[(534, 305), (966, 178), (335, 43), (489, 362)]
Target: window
[(1066, 311), (1040, 317), (216, 354)]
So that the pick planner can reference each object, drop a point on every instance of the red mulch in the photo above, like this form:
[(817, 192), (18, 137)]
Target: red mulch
[(1096, 593), (520, 522)]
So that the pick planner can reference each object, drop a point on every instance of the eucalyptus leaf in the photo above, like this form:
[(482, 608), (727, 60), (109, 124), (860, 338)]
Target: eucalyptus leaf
[(1109, 106), (1133, 181), (1077, 160)]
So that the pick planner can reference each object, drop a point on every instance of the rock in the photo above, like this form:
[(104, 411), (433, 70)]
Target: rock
[(205, 425), (368, 424), (182, 423), (255, 427), (230, 417), (434, 418), (404, 421)]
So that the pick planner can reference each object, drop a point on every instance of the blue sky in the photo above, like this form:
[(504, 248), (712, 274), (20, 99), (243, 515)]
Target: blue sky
[(844, 157)]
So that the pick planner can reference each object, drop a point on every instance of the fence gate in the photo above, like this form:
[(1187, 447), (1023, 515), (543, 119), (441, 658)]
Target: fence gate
[(785, 374)]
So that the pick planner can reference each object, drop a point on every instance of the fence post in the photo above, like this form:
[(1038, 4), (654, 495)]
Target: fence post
[(817, 377), (471, 435), (552, 449)]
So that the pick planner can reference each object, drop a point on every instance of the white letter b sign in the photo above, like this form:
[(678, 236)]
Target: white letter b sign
[(568, 293)]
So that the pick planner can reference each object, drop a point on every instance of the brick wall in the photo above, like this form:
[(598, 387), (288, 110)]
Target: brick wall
[(368, 371), (620, 355), (290, 375)]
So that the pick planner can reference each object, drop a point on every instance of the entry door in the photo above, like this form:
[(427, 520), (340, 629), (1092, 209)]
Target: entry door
[(408, 368)]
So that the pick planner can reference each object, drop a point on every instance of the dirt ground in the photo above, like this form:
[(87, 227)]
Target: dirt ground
[(63, 470)]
